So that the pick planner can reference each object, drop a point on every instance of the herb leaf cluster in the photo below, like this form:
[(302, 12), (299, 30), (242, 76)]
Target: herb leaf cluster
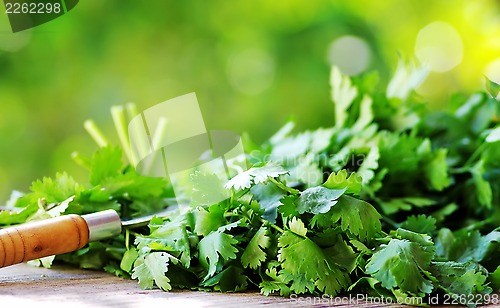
[(393, 199)]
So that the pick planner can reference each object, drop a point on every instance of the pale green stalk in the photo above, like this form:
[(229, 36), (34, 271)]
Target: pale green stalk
[(140, 146), (118, 114), (131, 110), (158, 136), (95, 133)]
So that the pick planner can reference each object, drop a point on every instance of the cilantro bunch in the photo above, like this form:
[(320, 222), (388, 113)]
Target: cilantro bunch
[(392, 200)]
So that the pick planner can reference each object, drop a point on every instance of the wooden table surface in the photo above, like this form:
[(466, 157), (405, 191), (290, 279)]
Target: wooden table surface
[(74, 288)]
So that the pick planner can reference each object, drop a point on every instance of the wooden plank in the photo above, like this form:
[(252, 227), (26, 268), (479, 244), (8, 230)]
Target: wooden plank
[(23, 285), (68, 287)]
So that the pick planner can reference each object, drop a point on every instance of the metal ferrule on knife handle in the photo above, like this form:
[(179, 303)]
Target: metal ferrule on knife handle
[(55, 236)]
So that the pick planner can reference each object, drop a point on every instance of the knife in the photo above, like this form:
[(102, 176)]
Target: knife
[(67, 233)]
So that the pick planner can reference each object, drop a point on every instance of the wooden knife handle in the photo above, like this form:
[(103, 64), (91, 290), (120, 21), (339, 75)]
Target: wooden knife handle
[(43, 238)]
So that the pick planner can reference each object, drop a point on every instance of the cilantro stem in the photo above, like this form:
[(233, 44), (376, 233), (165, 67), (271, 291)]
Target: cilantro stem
[(475, 154), (131, 110), (479, 224), (95, 133), (80, 159), (127, 238), (291, 190), (272, 225), (236, 196), (156, 141), (118, 115), (390, 221), (244, 215)]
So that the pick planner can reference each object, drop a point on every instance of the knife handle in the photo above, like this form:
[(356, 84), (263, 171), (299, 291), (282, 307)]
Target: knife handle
[(55, 236)]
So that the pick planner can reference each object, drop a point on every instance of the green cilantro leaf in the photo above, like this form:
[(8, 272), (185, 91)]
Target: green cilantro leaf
[(352, 183), (467, 245), (269, 196), (151, 268), (492, 87), (400, 264), (206, 187), (106, 162), (274, 282), (134, 186), (318, 199), (370, 163), (395, 205), (171, 236), (55, 190), (461, 278), (13, 217), (406, 79), (254, 255), (306, 171), (297, 226), (128, 260), (436, 170), (484, 192), (365, 114), (209, 220), (255, 175), (343, 254), (307, 263), (343, 95), (229, 280), (420, 223), (215, 246), (494, 278), (357, 216), (288, 207)]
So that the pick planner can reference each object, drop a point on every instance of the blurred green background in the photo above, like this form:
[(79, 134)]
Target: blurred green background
[(252, 64)]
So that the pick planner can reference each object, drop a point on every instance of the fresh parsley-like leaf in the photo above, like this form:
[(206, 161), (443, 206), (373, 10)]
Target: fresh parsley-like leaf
[(55, 190), (461, 278), (254, 255), (343, 94), (465, 245), (318, 199), (436, 170), (302, 259), (229, 280), (269, 196), (105, 163), (370, 163), (400, 264), (420, 224), (255, 175), (13, 217), (483, 192), (492, 87), (352, 183), (214, 248), (274, 282), (128, 259), (357, 216), (209, 220), (150, 269)]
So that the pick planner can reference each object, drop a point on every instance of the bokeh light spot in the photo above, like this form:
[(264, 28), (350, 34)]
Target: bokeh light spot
[(251, 71), (351, 54), (439, 46)]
